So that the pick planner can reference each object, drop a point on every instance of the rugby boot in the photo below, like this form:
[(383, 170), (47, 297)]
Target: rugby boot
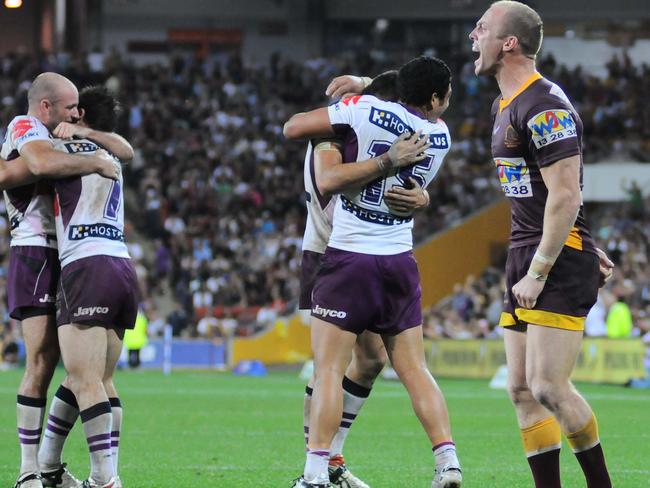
[(302, 483), (90, 483), (340, 475), (448, 477), (61, 478), (29, 480)]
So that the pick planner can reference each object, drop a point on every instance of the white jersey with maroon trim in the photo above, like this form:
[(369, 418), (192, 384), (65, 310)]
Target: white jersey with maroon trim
[(363, 223), (89, 211), (320, 209), (30, 207)]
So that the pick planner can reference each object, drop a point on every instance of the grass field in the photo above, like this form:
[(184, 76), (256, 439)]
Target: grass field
[(215, 430)]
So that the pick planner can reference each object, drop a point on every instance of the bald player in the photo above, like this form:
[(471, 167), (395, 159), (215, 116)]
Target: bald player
[(33, 259), (553, 269)]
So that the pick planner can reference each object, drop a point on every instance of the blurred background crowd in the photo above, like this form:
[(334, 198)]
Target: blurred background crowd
[(214, 194)]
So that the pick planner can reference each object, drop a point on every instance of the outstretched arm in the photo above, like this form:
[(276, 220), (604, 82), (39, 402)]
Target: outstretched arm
[(112, 141), (15, 173), (332, 176), (315, 123), (44, 161)]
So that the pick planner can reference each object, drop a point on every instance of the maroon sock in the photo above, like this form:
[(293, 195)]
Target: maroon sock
[(546, 469), (592, 462)]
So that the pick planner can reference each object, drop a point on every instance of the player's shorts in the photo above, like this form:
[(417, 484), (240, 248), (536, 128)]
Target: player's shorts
[(308, 270), (32, 280), (360, 292), (99, 290), (570, 291)]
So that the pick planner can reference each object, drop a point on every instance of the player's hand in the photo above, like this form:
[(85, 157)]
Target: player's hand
[(346, 85), (606, 267), (66, 130), (405, 200), (527, 290), (107, 166), (408, 148)]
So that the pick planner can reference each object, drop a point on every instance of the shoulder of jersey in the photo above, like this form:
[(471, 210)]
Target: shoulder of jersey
[(22, 124)]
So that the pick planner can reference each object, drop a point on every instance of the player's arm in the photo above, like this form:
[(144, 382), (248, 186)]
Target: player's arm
[(44, 161), (332, 176), (15, 173), (562, 180), (404, 200), (347, 85), (115, 143), (304, 125)]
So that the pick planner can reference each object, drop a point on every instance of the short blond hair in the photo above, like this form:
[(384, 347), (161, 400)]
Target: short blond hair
[(524, 23)]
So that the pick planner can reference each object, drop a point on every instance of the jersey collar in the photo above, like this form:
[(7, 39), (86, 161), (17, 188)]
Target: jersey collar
[(503, 103)]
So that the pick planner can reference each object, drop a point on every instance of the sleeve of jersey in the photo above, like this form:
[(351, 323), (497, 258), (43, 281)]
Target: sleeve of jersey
[(552, 132), (28, 129), (342, 115)]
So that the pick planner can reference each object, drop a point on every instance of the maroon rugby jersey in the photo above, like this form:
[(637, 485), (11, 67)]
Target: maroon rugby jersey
[(534, 128)]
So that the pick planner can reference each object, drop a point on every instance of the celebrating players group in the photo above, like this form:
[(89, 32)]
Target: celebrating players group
[(63, 189)]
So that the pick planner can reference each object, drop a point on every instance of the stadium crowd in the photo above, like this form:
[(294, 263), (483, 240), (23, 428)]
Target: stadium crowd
[(623, 307), (219, 193)]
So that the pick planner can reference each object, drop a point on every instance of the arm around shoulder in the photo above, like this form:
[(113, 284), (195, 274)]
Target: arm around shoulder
[(308, 124)]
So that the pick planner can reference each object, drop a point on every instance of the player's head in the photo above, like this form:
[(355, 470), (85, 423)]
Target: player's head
[(507, 28), (425, 83), (384, 86), (98, 108), (53, 99)]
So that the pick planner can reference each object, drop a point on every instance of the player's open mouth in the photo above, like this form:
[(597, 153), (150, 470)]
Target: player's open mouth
[(476, 49)]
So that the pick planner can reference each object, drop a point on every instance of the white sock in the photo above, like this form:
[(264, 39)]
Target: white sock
[(116, 411), (354, 396), (306, 412), (97, 421), (29, 416), (316, 466), (445, 454), (62, 416)]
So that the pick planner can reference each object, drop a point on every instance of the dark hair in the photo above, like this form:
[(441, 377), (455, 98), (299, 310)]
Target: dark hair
[(420, 78), (525, 24), (100, 108), (384, 86)]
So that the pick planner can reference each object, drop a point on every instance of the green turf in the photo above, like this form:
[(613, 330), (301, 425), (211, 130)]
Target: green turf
[(216, 430)]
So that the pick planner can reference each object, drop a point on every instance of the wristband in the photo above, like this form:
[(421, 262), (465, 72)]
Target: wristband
[(384, 163), (536, 276), (542, 258), (366, 80)]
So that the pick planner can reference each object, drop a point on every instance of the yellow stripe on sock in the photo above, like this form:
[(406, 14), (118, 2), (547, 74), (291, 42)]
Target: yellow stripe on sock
[(585, 438), (541, 437)]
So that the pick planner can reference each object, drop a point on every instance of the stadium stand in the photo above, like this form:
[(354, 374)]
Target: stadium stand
[(220, 197)]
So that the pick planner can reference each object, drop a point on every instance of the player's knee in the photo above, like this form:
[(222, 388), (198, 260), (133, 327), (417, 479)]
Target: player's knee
[(545, 392), (81, 383), (519, 393), (41, 363), (369, 368)]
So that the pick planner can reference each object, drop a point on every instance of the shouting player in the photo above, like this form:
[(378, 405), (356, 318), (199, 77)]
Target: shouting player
[(325, 176), (368, 279), (33, 260), (552, 270)]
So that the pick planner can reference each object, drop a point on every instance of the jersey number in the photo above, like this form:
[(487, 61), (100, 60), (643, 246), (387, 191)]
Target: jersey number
[(373, 193), (113, 202)]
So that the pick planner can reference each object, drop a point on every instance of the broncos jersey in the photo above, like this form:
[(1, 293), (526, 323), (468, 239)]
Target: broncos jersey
[(363, 223), (30, 207), (89, 211)]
